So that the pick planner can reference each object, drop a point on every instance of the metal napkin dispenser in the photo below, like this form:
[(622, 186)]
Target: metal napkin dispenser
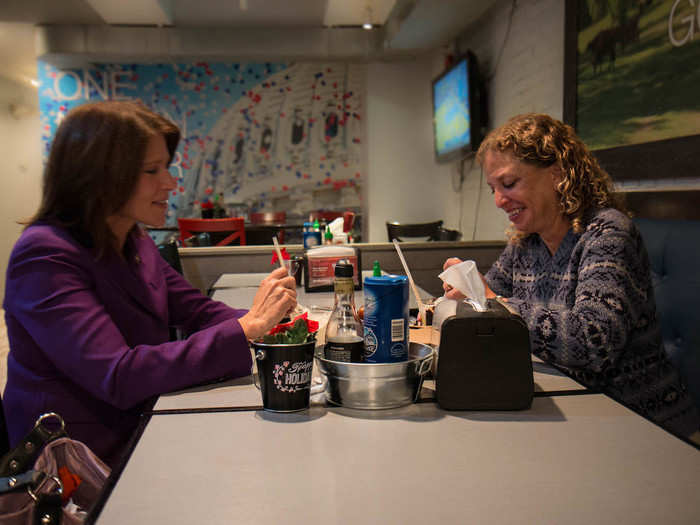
[(484, 360)]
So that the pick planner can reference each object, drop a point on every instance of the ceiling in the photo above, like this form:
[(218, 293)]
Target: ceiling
[(72, 31), (197, 13)]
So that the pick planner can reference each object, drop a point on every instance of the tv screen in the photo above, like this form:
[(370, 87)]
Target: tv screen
[(457, 110)]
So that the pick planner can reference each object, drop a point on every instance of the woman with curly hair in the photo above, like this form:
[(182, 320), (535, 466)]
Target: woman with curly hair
[(576, 269)]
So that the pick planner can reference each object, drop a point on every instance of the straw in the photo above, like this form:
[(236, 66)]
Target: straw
[(279, 254), (421, 306)]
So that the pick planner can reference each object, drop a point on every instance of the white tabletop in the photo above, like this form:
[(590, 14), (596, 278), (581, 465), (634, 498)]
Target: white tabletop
[(568, 460), (242, 280), (238, 291), (238, 280)]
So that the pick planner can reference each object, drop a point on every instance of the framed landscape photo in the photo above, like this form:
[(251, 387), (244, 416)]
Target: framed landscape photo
[(632, 85)]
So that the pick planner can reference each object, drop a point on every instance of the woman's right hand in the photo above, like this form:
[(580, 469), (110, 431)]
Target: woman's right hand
[(452, 293), (276, 296)]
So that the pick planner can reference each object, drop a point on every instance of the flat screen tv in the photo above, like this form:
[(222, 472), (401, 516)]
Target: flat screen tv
[(457, 110)]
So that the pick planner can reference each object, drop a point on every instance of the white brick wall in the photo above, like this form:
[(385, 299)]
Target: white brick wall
[(528, 78)]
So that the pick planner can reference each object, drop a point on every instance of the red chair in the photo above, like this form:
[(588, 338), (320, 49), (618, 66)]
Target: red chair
[(269, 217), (348, 220), (329, 216), (235, 225)]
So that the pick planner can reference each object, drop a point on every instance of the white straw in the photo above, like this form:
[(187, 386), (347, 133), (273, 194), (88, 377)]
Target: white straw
[(421, 306), (279, 254)]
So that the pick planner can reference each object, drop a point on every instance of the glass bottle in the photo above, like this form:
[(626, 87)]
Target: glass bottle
[(376, 269), (344, 331), (328, 236)]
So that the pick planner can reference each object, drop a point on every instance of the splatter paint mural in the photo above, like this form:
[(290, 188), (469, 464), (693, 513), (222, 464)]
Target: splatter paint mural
[(252, 133)]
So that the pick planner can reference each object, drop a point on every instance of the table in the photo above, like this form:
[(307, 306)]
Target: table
[(239, 280), (567, 460), (241, 392), (209, 454), (240, 289)]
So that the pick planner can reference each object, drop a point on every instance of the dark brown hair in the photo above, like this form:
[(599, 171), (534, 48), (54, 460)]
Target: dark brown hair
[(95, 161), (543, 141)]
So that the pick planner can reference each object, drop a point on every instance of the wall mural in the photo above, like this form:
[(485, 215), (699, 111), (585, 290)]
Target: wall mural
[(252, 133)]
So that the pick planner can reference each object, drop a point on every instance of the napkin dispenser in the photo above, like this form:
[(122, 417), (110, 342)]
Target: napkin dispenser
[(484, 360), (319, 270)]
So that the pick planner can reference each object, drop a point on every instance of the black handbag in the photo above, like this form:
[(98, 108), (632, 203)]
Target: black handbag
[(484, 360), (48, 478)]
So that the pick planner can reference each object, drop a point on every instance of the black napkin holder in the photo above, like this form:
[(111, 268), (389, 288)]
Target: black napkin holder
[(484, 360)]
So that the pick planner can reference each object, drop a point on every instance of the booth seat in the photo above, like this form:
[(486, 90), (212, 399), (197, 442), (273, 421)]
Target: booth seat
[(674, 254)]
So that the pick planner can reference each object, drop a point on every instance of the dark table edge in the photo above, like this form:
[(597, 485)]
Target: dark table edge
[(117, 471)]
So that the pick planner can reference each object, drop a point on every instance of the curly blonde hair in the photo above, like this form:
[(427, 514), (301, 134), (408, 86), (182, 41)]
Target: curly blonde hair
[(540, 140)]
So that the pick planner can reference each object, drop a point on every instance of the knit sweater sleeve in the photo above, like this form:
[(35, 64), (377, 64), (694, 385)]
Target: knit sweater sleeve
[(607, 285), (500, 275)]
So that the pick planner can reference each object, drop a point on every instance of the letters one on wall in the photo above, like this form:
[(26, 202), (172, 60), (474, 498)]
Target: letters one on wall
[(250, 132)]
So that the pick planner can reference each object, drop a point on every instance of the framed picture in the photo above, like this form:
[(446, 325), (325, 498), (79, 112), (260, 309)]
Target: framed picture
[(631, 85)]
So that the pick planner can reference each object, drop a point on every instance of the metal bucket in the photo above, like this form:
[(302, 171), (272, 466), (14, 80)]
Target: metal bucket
[(376, 386)]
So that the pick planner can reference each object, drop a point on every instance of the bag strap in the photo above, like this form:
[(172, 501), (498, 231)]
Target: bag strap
[(48, 507), (30, 479), (48, 510), (23, 456)]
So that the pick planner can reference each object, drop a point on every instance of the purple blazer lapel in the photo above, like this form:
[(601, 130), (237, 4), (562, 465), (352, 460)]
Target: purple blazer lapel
[(140, 278)]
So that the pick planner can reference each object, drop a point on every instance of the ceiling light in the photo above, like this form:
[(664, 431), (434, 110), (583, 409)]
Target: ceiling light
[(368, 17)]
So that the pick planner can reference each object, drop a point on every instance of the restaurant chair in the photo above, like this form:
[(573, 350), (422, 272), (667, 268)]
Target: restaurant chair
[(348, 220), (268, 217), (168, 251), (445, 234), (321, 215), (223, 232), (264, 225), (329, 216), (427, 230)]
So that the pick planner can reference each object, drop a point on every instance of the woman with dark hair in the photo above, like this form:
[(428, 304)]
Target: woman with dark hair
[(89, 300), (576, 269)]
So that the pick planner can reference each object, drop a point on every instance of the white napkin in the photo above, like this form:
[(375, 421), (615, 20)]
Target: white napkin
[(336, 226), (465, 278)]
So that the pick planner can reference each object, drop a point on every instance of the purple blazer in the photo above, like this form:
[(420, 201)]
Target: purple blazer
[(89, 339)]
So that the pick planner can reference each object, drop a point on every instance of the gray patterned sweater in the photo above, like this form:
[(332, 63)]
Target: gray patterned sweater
[(590, 310)]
